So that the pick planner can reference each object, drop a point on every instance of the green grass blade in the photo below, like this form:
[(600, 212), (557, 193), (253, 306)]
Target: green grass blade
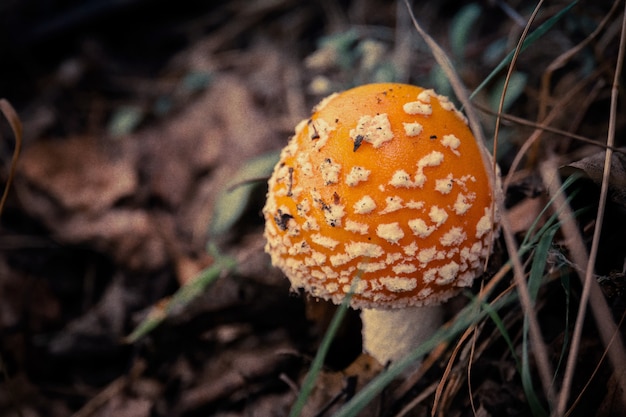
[(527, 383), (522, 368), (535, 280), (566, 334), (198, 285), (539, 261), (532, 38), (183, 296), (316, 366), (495, 317)]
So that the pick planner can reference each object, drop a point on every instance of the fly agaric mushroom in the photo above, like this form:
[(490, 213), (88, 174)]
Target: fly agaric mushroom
[(384, 187)]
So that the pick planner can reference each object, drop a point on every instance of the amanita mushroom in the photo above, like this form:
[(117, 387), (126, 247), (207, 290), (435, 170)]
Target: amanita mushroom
[(384, 184)]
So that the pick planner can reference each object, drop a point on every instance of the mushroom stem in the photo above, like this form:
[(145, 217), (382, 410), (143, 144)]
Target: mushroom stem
[(390, 335)]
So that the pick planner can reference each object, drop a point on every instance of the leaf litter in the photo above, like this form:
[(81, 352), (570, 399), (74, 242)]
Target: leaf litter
[(125, 167)]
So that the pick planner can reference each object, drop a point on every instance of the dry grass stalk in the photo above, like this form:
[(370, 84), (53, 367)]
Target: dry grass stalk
[(576, 247)]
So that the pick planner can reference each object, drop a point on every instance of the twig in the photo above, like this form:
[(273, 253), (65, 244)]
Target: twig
[(484, 294), (565, 57), (595, 371), (602, 314), (543, 127), (417, 400), (114, 388), (536, 341), (16, 125), (539, 348), (534, 137), (573, 354)]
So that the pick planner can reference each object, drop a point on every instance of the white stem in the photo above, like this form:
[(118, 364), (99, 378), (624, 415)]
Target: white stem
[(389, 335)]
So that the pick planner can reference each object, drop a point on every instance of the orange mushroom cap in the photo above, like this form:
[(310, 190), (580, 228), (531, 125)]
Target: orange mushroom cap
[(384, 183)]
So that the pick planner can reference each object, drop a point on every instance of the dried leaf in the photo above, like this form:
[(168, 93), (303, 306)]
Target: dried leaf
[(333, 389), (131, 236), (524, 214), (79, 173), (592, 168)]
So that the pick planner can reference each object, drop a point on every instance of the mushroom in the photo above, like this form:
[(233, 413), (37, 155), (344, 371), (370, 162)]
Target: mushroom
[(385, 194)]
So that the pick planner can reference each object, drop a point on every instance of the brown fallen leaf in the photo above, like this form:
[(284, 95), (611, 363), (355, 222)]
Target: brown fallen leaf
[(78, 173), (524, 214), (592, 167), (131, 236)]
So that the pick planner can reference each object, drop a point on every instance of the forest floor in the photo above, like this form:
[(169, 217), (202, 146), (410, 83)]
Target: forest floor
[(139, 117)]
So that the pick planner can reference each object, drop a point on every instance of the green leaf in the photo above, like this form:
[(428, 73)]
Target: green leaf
[(462, 24), (232, 202), (195, 81), (125, 120), (440, 81)]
